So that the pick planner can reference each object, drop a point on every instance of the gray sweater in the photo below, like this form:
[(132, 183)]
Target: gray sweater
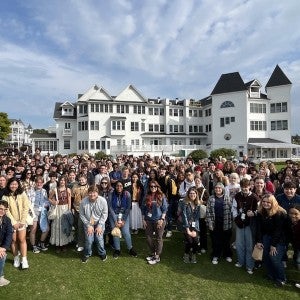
[(97, 210)]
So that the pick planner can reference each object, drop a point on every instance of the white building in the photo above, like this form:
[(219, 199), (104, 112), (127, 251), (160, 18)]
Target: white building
[(236, 115), (20, 134)]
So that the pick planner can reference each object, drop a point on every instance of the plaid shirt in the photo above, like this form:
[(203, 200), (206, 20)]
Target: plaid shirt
[(210, 213)]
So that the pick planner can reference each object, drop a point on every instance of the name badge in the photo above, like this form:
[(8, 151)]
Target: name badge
[(193, 224), (40, 208), (149, 215)]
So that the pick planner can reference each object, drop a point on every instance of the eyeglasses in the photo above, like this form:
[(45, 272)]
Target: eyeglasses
[(104, 183), (153, 186)]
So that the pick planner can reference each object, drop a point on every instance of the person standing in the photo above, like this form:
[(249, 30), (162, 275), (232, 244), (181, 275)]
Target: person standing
[(18, 207), (6, 231), (270, 237), (219, 222), (154, 212), (93, 214)]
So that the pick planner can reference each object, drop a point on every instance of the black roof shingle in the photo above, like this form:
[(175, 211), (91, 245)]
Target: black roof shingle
[(278, 78), (230, 82)]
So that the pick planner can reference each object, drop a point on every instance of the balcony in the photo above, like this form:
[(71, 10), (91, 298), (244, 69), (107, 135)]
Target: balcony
[(67, 132)]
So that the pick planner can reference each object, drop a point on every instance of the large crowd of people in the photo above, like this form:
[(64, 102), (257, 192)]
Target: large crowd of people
[(65, 201)]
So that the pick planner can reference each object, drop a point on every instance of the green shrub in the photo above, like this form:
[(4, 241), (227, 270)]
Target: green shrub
[(224, 152), (197, 155)]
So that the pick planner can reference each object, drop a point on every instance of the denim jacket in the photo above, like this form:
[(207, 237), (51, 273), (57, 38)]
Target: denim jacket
[(154, 213), (189, 216)]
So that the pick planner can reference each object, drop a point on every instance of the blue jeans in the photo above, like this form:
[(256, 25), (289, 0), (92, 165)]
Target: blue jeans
[(2, 263), (244, 247), (273, 263), (90, 239), (125, 234)]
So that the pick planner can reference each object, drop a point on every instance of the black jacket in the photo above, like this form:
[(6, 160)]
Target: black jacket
[(6, 231)]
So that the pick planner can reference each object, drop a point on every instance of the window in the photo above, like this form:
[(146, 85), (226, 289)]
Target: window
[(94, 125), (279, 125), (83, 109), (195, 141), (156, 128), (258, 125), (258, 108), (98, 145), (106, 108), (122, 109), (208, 128), (156, 111), (227, 104), (103, 145), (278, 107), (82, 126), (208, 112), (139, 109), (68, 125), (143, 127), (226, 121), (118, 125), (67, 144), (92, 145), (134, 126)]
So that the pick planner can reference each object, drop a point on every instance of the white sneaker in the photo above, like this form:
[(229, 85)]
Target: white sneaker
[(17, 261), (4, 281), (154, 260), (238, 265), (80, 249), (297, 285), (169, 234), (203, 251), (150, 257), (215, 261), (249, 271), (25, 263), (229, 259)]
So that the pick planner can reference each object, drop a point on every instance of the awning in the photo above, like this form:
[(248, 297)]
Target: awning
[(273, 145)]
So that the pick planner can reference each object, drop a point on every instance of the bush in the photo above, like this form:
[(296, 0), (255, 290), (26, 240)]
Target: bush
[(197, 155), (224, 152), (101, 155)]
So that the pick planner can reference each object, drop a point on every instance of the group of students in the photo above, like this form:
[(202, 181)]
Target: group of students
[(84, 201)]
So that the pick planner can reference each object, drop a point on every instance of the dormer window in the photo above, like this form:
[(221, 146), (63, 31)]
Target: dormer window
[(67, 111), (255, 89)]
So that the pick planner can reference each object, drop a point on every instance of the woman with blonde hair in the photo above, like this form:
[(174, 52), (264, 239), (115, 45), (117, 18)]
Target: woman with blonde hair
[(190, 212), (270, 237)]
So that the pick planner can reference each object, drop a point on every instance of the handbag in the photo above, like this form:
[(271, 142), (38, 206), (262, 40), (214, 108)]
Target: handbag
[(52, 213), (202, 207), (116, 232), (257, 253)]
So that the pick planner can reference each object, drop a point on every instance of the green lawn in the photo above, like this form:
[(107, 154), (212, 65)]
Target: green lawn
[(63, 276)]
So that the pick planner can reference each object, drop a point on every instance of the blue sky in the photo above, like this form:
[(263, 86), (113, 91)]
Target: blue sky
[(50, 51)]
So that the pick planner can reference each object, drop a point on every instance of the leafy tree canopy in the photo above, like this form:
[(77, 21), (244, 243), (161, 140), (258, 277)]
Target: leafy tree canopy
[(4, 126), (197, 155)]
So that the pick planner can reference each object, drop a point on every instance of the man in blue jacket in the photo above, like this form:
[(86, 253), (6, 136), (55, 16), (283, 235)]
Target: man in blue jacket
[(6, 231)]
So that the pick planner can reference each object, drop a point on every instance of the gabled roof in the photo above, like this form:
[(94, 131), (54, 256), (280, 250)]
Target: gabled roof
[(253, 82), (67, 103), (130, 94), (278, 78), (95, 93), (228, 83), (57, 112)]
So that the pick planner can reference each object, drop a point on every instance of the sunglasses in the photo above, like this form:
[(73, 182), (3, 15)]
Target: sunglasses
[(153, 186), (104, 183)]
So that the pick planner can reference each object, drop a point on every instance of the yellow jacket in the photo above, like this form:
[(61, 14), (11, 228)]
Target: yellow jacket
[(17, 208)]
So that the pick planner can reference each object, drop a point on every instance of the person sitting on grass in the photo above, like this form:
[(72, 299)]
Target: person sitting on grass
[(6, 231), (93, 213)]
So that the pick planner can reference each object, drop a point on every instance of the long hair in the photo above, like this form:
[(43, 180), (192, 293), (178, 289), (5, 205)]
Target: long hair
[(275, 207), (187, 199), (158, 196), (18, 191)]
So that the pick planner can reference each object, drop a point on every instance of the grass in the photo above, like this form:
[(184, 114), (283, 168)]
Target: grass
[(63, 276)]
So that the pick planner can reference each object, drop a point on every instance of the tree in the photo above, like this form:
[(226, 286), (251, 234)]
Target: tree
[(101, 155), (197, 155), (4, 126), (224, 152)]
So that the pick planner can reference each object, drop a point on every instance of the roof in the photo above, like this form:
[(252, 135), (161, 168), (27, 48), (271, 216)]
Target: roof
[(46, 135), (57, 112), (228, 83), (278, 78), (270, 143)]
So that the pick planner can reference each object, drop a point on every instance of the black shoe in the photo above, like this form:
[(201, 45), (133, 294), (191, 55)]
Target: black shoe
[(84, 259), (132, 253), (116, 254), (280, 284), (103, 257)]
